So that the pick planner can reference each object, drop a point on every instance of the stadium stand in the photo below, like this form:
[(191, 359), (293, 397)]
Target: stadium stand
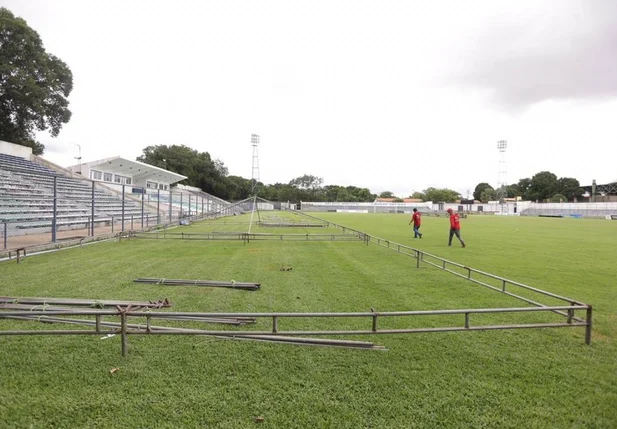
[(27, 199)]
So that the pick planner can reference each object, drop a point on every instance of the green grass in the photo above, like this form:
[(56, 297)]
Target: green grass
[(503, 379)]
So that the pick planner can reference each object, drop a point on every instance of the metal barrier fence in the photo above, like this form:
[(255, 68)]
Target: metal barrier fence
[(491, 281), (124, 328), (54, 208)]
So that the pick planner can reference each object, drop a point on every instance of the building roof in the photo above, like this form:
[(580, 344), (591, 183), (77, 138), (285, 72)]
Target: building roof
[(135, 169)]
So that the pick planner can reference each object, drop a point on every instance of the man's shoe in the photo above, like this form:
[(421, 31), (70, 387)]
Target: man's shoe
[(420, 235), (464, 245)]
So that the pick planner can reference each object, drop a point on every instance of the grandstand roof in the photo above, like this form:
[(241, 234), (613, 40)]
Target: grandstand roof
[(135, 169)]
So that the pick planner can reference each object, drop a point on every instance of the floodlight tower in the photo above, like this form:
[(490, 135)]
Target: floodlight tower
[(255, 173), (502, 145)]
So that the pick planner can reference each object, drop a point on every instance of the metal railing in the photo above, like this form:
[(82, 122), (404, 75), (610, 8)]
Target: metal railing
[(124, 328), (501, 285)]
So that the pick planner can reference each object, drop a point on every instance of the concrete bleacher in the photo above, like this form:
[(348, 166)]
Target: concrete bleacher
[(27, 199)]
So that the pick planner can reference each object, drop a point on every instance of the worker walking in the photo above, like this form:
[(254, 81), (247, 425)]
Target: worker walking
[(416, 218), (455, 228)]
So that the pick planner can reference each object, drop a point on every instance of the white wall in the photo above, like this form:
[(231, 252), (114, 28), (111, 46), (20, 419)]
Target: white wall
[(15, 150)]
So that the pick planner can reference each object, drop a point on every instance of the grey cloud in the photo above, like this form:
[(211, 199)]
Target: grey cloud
[(573, 56)]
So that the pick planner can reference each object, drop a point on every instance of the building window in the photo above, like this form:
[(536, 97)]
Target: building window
[(161, 186), (95, 175), (151, 185), (107, 177), (122, 180)]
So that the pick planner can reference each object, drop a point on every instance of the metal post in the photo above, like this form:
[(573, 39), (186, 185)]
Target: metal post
[(98, 323), (181, 207), (190, 213), (158, 205), (143, 192), (202, 205), (123, 186), (503, 285), (123, 332), (54, 220), (588, 318), (92, 211), (112, 224), (466, 320), (275, 324), (170, 201), (374, 323), (131, 221), (6, 232), (417, 259)]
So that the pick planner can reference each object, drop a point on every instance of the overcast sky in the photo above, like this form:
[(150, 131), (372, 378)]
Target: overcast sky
[(389, 95)]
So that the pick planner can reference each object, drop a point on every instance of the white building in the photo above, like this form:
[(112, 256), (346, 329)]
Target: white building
[(117, 171)]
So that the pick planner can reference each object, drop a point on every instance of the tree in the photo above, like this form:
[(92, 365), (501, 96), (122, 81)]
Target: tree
[(480, 187), (441, 195), (542, 186), (523, 186), (34, 85), (386, 194), (361, 194), (221, 168), (419, 196), (343, 195), (488, 194), (238, 188), (558, 198), (307, 182), (513, 191), (570, 188), (199, 168)]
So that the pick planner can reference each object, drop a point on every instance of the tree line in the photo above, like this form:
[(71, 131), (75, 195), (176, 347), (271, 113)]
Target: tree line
[(543, 186), (212, 176)]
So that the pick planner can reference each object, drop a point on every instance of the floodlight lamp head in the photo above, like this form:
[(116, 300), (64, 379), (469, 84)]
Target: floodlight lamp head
[(502, 145), (254, 139)]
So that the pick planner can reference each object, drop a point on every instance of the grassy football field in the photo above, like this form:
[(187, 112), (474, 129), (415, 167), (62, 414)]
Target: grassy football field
[(491, 379)]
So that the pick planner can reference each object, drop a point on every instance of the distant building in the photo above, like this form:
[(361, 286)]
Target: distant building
[(392, 200), (118, 171)]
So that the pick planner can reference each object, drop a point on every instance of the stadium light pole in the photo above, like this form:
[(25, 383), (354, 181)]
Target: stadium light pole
[(502, 145), (255, 171)]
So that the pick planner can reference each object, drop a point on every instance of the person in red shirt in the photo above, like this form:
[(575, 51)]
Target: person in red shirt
[(455, 228), (416, 218)]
